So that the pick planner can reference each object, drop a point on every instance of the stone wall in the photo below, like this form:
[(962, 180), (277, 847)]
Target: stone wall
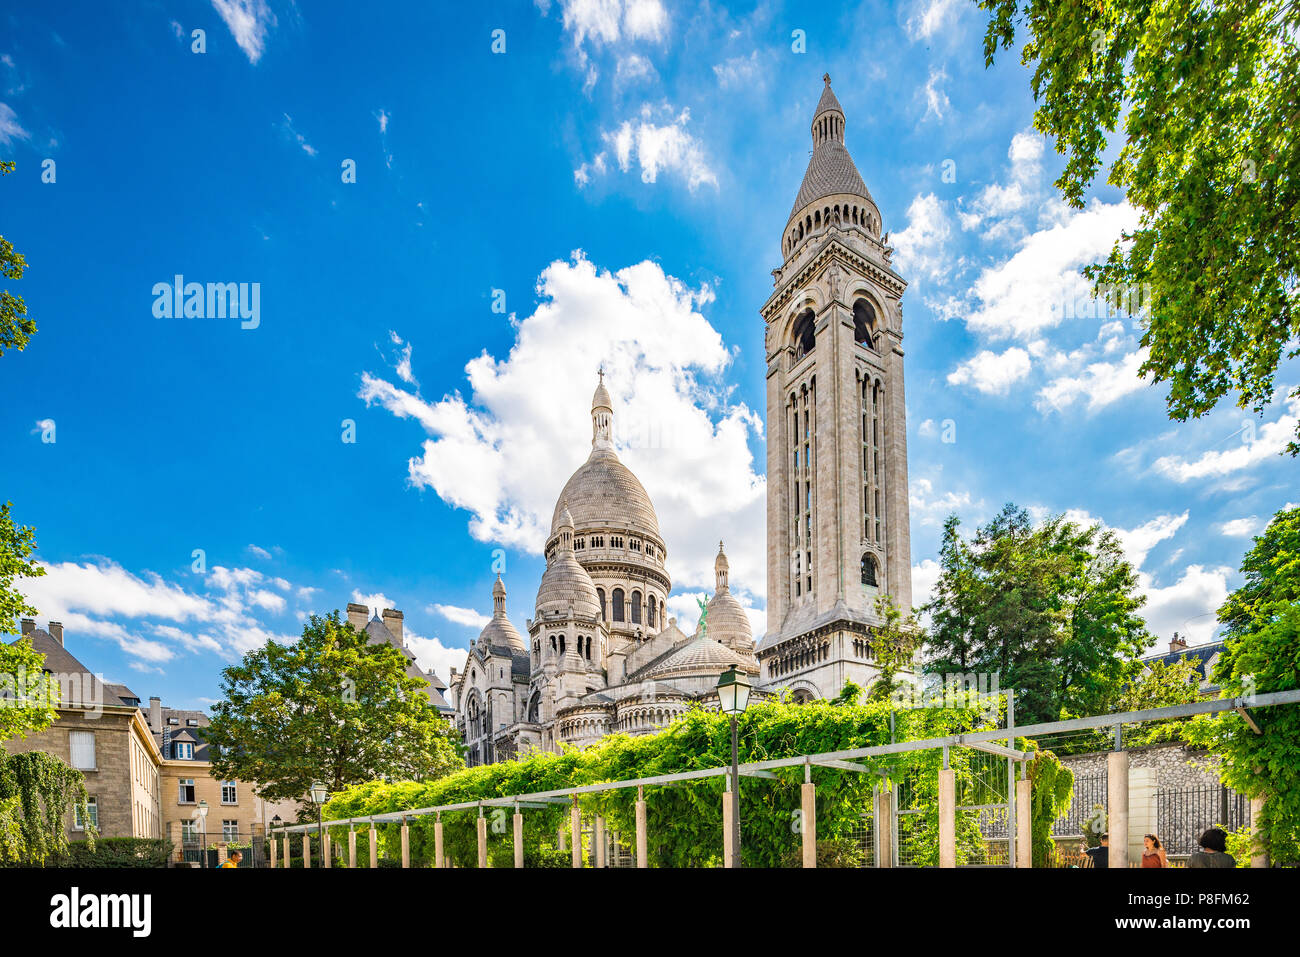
[(1176, 765)]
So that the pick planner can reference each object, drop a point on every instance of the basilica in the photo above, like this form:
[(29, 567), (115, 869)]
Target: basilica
[(601, 655)]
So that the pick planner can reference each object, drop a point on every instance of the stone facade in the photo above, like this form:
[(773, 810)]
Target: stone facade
[(837, 506), (1176, 766), (601, 655)]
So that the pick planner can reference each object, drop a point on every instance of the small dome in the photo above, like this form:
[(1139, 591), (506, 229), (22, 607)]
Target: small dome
[(701, 655), (728, 623), (601, 399), (499, 632), (566, 588)]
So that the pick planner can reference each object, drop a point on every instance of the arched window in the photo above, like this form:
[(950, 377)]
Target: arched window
[(618, 604), (864, 323), (805, 335), (650, 614), (868, 569), (600, 593), (636, 608)]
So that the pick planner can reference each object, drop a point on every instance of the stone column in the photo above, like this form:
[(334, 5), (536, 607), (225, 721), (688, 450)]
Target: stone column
[(808, 809), (1024, 818), (598, 839), (728, 828), (481, 825), (374, 845), (947, 817), (1141, 809), (882, 832), (1258, 854), (272, 843), (325, 849), (1117, 807), (284, 843), (519, 839), (306, 850), (352, 848), (437, 844), (406, 844), (642, 858), (575, 825)]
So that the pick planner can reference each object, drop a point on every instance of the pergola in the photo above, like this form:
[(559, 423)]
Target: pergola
[(987, 740)]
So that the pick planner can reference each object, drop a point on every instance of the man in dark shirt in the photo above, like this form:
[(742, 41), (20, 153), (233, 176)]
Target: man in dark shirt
[(1100, 855)]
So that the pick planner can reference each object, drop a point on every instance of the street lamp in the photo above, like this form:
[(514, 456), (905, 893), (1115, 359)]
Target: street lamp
[(203, 830), (733, 698), (318, 797)]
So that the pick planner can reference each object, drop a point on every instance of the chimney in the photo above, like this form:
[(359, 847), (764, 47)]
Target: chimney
[(155, 713), (56, 631), (1177, 643), (393, 620), (29, 626), (358, 616)]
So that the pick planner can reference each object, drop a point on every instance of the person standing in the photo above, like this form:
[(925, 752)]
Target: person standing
[(1214, 851), (1153, 852), (1100, 855)]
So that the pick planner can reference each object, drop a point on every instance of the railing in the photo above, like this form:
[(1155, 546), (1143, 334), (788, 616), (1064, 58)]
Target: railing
[(1089, 791), (1184, 814)]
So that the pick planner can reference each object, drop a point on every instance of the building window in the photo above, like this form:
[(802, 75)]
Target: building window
[(191, 722), (92, 811), (229, 831), (189, 832), (868, 570), (183, 750), (618, 604), (173, 720), (229, 795), (864, 323), (805, 335), (600, 593), (650, 613), (636, 608), (81, 744), (186, 791)]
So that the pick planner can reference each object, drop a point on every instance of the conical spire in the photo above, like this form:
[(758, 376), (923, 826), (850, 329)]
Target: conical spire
[(828, 119), (720, 568), (602, 416), (499, 597)]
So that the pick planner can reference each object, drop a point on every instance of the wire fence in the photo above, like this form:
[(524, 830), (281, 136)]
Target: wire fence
[(1184, 814)]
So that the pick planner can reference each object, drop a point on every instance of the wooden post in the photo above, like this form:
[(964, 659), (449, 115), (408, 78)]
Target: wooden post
[(642, 859), (882, 832), (575, 826), (374, 845), (561, 838), (519, 838), (1117, 807), (482, 839), (808, 811), (284, 843), (437, 843), (598, 839), (273, 853), (1024, 818), (352, 847), (306, 850), (406, 844), (1258, 853), (728, 812), (325, 849), (947, 817)]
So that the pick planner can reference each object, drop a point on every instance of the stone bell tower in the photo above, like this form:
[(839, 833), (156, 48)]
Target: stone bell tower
[(837, 515)]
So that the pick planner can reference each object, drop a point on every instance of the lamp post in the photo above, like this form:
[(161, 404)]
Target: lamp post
[(203, 831), (318, 797), (733, 698)]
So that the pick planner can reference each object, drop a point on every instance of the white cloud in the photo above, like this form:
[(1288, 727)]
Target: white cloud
[(921, 246), (1242, 527), (936, 100), (1271, 439), (259, 552), (248, 21), (924, 578), (930, 16), (10, 130), (461, 616), (1033, 289), (1101, 383), (738, 72), (376, 601), (433, 655), (654, 147), (382, 116), (298, 137), (633, 68), (503, 451), (992, 373), (1002, 202), (929, 509), (1188, 606)]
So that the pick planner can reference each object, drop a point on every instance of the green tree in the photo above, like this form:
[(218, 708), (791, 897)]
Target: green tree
[(894, 644), (22, 678), (15, 326), (1262, 655), (1207, 95), (1050, 609), (331, 707)]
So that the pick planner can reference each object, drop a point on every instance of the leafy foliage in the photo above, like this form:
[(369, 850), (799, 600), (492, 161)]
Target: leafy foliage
[(1262, 655), (1051, 792), (684, 821), (894, 644), (1050, 609), (115, 852), (15, 326), (331, 707), (36, 792), (1208, 94)]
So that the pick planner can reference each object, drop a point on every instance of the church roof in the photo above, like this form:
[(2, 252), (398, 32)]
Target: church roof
[(604, 493), (830, 171), (700, 655)]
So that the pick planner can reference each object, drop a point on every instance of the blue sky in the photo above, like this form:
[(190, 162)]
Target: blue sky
[(611, 189)]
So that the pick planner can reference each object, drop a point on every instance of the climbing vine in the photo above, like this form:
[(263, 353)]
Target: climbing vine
[(1052, 790), (36, 792)]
